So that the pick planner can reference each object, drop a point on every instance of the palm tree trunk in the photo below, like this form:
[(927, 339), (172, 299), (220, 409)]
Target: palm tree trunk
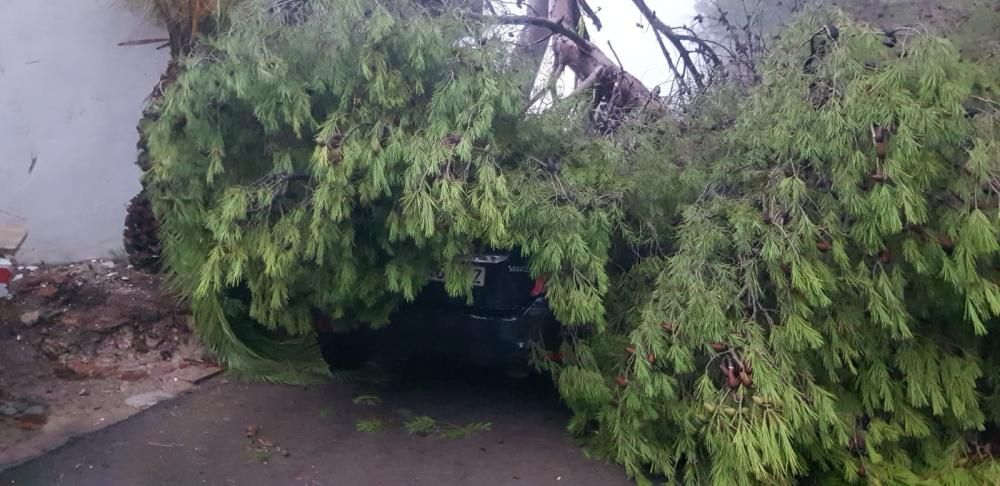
[(140, 239)]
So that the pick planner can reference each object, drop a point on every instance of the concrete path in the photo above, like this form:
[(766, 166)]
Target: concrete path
[(256, 434)]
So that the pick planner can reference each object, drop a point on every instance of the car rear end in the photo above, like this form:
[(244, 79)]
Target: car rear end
[(507, 315)]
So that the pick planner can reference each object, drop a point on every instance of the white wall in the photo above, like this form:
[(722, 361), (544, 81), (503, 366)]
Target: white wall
[(70, 98)]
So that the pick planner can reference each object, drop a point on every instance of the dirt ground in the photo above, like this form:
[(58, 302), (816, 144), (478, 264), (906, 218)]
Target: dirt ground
[(83, 346), (228, 433)]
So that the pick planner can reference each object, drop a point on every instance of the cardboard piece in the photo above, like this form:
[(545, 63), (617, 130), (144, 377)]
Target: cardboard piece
[(11, 236)]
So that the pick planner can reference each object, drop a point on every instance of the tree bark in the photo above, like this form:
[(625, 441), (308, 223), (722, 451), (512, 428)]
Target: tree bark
[(532, 44), (616, 86), (613, 85)]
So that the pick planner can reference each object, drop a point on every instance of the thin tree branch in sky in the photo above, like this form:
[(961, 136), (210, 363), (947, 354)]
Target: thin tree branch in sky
[(678, 42), (556, 27), (670, 61), (617, 59), (589, 12)]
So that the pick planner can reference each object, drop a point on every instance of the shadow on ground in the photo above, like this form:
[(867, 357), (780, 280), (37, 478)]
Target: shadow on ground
[(230, 433)]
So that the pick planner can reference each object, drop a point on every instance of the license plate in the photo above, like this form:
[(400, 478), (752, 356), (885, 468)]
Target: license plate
[(478, 276)]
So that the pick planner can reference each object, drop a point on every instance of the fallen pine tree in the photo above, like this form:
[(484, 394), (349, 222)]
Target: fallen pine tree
[(791, 280)]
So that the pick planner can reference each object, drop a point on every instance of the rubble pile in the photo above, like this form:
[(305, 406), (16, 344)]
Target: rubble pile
[(80, 341)]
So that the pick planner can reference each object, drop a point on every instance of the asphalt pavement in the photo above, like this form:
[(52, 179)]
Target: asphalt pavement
[(231, 433)]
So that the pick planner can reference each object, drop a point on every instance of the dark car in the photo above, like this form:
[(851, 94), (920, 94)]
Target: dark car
[(508, 315)]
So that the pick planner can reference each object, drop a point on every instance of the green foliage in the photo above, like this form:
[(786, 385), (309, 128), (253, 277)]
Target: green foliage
[(424, 425), (825, 309), (461, 431), (370, 425), (413, 150), (367, 400), (799, 281)]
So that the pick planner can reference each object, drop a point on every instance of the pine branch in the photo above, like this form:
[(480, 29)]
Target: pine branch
[(670, 61)]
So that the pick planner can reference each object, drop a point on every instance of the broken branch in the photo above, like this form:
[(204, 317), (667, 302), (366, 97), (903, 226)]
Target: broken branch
[(556, 27), (677, 40), (142, 42), (588, 82), (589, 12)]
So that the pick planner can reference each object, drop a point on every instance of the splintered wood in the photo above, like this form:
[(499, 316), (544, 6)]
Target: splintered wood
[(11, 237)]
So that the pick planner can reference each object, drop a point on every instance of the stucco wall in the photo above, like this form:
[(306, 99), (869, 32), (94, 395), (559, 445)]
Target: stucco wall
[(69, 100)]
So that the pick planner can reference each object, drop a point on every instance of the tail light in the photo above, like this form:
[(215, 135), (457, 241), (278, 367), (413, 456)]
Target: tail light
[(6, 275), (539, 287)]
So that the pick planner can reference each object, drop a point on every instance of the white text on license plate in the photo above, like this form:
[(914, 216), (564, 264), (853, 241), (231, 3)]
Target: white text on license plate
[(478, 276)]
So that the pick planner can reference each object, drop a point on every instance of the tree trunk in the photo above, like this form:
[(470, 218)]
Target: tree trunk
[(615, 86), (618, 90), (532, 44)]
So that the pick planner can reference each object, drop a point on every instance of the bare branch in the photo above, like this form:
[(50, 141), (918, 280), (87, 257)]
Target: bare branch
[(550, 86), (670, 61), (556, 27), (614, 53), (677, 41), (589, 12), (532, 9), (588, 82)]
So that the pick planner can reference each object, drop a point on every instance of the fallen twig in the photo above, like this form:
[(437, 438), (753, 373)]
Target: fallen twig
[(142, 42), (158, 444)]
